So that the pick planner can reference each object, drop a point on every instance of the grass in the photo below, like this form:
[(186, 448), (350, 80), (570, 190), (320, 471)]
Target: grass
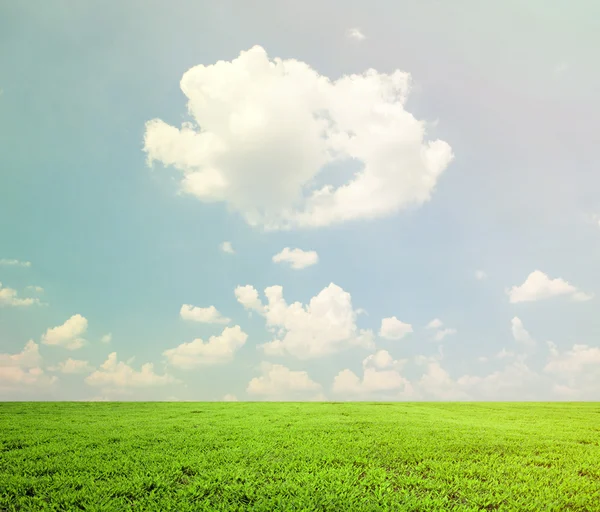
[(300, 456)]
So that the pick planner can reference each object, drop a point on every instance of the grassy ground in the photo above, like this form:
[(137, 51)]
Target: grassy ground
[(292, 456)]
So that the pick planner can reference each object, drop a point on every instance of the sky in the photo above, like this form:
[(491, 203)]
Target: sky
[(305, 201)]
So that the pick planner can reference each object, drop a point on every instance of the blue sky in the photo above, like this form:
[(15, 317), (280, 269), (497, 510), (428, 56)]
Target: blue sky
[(494, 232)]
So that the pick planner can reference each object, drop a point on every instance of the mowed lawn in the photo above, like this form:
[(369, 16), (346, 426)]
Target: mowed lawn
[(300, 456)]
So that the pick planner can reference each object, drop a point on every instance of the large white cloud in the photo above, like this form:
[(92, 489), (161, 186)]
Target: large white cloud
[(538, 286), (264, 130), (116, 375), (209, 315), (327, 324), (393, 329), (9, 297), (297, 258), (217, 350), (22, 370), (67, 335), (279, 382)]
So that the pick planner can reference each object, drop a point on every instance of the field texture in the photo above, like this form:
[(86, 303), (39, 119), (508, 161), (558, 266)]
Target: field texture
[(299, 456)]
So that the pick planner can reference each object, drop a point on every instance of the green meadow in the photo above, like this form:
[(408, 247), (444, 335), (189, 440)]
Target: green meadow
[(300, 456)]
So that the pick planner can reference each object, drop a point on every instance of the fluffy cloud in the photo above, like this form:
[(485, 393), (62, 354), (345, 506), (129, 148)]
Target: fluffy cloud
[(23, 370), (538, 286), (356, 34), (73, 366), (117, 375), (279, 382), (67, 335), (380, 374), (436, 323), (8, 297), (226, 247), (327, 324), (578, 371), (264, 129), (14, 263), (297, 258), (218, 349), (520, 334), (394, 329), (107, 338), (209, 315)]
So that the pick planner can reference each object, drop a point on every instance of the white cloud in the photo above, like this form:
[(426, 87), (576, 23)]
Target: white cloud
[(327, 324), (116, 375), (538, 286), (394, 329), (381, 360), (107, 338), (356, 34), (8, 297), (264, 129), (436, 323), (480, 275), (436, 383), (226, 247), (578, 371), (73, 366), (209, 315), (218, 349), (67, 335), (23, 370), (247, 296), (278, 381), (230, 398), (442, 333), (14, 263), (520, 334), (297, 258), (36, 289)]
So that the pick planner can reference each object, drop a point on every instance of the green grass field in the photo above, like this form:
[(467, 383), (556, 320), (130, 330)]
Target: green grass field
[(299, 456)]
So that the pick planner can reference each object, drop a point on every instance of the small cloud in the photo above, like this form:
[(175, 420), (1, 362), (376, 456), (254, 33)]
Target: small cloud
[(560, 68), (230, 398), (36, 289), (279, 382), (441, 334), (520, 334), (297, 258), (107, 338), (67, 335), (356, 34), (480, 275), (394, 329), (226, 247), (14, 263), (209, 315), (8, 297), (436, 323), (538, 286)]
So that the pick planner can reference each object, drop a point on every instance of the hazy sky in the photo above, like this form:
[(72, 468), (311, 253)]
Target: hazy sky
[(278, 200)]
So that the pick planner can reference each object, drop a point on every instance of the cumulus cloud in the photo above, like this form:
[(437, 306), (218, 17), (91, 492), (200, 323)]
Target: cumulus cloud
[(14, 263), (297, 258), (9, 297), (218, 349), (327, 324), (520, 334), (279, 382), (538, 286), (226, 247), (578, 371), (356, 34), (67, 335), (394, 329), (22, 370), (263, 130), (117, 375), (209, 315), (380, 375), (73, 366)]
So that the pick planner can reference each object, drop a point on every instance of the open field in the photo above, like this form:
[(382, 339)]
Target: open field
[(299, 456)]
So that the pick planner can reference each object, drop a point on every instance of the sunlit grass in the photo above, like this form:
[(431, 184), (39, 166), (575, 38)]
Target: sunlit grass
[(299, 456)]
